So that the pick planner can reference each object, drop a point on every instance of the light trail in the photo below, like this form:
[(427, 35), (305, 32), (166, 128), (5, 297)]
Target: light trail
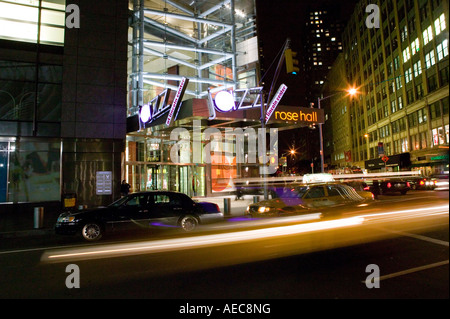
[(156, 246), (370, 220)]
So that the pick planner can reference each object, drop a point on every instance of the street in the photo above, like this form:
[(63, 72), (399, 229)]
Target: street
[(404, 238)]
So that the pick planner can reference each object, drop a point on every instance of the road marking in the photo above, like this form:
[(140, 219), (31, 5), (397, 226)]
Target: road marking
[(412, 270), (425, 238), (416, 236)]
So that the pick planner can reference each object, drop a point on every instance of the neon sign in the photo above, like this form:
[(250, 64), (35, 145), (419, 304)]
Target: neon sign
[(227, 101), (158, 106), (296, 116)]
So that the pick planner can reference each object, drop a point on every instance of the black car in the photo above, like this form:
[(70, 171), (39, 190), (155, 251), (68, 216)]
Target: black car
[(394, 186), (139, 210)]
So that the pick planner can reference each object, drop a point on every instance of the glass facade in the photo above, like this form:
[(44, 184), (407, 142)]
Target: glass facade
[(30, 171), (199, 41)]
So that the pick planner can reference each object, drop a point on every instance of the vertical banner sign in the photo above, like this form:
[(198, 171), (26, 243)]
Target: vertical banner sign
[(177, 100), (276, 99)]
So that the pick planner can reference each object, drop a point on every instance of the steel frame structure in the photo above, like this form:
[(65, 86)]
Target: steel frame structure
[(145, 18)]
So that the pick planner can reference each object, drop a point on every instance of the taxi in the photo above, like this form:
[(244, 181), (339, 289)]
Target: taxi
[(317, 191)]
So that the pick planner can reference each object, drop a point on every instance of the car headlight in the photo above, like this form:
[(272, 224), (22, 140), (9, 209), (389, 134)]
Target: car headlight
[(66, 219), (263, 209)]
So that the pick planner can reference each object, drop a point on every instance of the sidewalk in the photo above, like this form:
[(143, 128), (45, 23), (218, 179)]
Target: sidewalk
[(22, 224)]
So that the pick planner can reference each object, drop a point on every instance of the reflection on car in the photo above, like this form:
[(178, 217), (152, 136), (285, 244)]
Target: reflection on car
[(301, 199), (137, 211)]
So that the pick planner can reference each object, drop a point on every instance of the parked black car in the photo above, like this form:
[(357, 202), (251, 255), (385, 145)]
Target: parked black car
[(139, 210)]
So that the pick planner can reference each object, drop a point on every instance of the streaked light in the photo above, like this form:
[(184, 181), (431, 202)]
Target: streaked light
[(149, 247)]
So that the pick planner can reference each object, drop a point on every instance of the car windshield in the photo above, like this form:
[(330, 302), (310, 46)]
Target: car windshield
[(119, 202)]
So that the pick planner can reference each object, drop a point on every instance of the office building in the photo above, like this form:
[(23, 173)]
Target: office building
[(401, 72)]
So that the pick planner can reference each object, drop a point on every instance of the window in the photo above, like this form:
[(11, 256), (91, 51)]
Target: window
[(417, 69), (429, 59), (442, 49), (419, 91), (408, 75), (393, 106), (427, 35), (396, 63), (316, 192), (415, 46), (406, 55), (439, 24), (24, 22), (400, 103), (398, 82)]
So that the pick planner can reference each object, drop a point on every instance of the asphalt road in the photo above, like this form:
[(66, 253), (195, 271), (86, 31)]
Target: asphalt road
[(402, 240)]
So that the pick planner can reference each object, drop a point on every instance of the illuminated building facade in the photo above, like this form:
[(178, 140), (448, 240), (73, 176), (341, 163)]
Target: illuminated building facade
[(401, 70)]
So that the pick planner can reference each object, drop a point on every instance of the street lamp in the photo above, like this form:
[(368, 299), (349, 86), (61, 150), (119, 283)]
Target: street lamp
[(351, 91)]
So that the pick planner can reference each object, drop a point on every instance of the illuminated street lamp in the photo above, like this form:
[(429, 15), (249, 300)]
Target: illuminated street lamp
[(351, 91)]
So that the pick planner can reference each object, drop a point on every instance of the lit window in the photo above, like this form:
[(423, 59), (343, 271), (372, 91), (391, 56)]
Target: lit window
[(21, 22), (417, 69), (442, 49), (408, 75), (429, 59), (439, 24), (415, 46), (406, 55), (427, 35), (333, 39)]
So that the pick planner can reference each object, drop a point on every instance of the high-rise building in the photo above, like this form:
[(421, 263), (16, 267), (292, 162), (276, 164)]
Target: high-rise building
[(321, 45), (62, 101), (401, 69)]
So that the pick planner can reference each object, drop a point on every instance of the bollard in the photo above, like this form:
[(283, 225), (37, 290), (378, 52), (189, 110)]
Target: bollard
[(255, 199), (38, 217), (226, 206)]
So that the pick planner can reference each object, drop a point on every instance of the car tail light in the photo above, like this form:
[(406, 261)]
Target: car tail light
[(422, 183), (389, 185), (408, 184), (367, 188)]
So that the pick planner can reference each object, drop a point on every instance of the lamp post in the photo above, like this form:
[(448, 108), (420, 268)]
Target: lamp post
[(351, 92)]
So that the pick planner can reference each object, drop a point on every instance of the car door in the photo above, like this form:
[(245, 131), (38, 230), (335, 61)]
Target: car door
[(134, 213), (166, 209)]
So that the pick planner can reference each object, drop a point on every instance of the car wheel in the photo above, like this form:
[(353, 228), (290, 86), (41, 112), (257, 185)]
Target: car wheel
[(92, 232), (403, 192), (188, 223)]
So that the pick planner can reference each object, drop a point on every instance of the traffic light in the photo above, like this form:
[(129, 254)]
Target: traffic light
[(291, 63)]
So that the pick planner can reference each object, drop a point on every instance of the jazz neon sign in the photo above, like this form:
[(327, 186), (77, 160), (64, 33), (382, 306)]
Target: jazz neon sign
[(158, 106), (227, 101)]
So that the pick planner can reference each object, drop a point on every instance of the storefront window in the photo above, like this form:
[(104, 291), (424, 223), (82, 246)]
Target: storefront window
[(34, 172)]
